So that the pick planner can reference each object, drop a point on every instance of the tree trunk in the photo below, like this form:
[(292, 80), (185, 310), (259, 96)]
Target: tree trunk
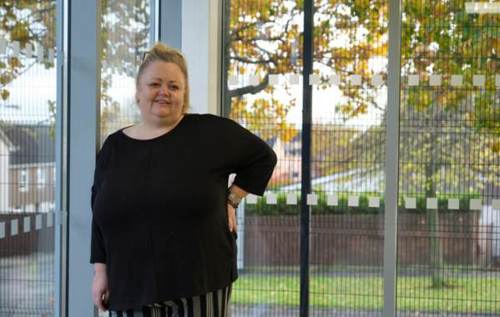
[(436, 248)]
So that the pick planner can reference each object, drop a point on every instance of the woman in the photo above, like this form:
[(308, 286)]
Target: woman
[(164, 224)]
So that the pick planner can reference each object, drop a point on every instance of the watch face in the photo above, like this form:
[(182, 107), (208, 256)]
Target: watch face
[(235, 206)]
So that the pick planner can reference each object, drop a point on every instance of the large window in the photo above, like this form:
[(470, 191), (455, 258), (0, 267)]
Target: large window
[(449, 160), (27, 111), (262, 63), (449, 221)]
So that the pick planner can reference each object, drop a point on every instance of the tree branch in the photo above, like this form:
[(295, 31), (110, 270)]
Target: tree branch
[(250, 89), (250, 61)]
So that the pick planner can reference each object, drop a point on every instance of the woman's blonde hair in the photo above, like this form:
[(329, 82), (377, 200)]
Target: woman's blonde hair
[(161, 52)]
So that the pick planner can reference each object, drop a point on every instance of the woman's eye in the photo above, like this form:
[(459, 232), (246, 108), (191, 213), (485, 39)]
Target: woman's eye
[(174, 87), (154, 84)]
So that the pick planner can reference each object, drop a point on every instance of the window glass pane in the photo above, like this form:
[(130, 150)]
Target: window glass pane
[(448, 230), (448, 246), (262, 64), (125, 30), (27, 153), (348, 139), (263, 67), (125, 36)]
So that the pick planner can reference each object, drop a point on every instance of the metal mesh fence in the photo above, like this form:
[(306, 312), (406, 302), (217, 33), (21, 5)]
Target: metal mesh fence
[(27, 157), (125, 27), (448, 204), (449, 160)]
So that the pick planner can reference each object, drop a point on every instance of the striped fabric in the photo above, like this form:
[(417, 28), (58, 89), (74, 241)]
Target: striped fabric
[(213, 304)]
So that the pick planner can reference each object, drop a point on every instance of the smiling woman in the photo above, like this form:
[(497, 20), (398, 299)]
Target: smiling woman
[(160, 94), (164, 228)]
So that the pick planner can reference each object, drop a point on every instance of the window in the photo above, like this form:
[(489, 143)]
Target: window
[(41, 177), (28, 84), (23, 180), (448, 226)]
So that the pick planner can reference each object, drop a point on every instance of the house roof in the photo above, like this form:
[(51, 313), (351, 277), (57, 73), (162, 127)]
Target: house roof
[(355, 180), (30, 143), (5, 139)]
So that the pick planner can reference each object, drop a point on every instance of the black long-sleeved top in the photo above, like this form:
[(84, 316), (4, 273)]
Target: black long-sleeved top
[(159, 208)]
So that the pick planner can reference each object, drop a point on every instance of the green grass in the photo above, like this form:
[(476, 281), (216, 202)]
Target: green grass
[(465, 293)]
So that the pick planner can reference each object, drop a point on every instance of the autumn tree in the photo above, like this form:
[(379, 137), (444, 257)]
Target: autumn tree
[(264, 38), (124, 36), (449, 140), (441, 127), (450, 132), (125, 33), (28, 23)]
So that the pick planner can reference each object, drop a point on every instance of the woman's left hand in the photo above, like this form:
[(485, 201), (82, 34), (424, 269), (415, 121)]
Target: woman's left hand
[(231, 217)]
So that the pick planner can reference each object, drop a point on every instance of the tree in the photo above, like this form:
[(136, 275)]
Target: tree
[(264, 38), (124, 37), (349, 35), (460, 130), (29, 23), (124, 34)]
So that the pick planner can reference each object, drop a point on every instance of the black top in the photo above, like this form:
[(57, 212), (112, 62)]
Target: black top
[(159, 208)]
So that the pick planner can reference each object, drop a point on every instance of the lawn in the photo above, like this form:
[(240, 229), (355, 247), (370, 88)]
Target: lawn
[(466, 293)]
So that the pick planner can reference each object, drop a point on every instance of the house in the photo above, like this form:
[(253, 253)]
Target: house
[(288, 167), (331, 148), (5, 148), (27, 168)]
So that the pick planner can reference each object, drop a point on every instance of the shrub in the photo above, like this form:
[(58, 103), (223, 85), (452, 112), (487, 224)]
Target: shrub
[(261, 208)]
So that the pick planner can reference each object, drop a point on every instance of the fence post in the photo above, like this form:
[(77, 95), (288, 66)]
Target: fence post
[(305, 210), (392, 159)]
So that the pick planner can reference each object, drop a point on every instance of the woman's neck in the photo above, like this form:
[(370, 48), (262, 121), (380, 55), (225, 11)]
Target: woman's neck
[(153, 129)]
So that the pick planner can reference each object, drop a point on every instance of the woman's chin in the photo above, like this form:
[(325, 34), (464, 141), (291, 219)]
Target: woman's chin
[(166, 115), (162, 111)]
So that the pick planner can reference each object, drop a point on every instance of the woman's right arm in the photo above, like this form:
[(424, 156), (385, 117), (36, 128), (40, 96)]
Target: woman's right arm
[(100, 292), (97, 245)]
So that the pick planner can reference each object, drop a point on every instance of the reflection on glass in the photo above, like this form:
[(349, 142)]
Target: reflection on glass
[(125, 30)]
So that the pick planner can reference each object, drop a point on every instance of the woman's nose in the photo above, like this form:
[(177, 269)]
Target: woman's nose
[(164, 90)]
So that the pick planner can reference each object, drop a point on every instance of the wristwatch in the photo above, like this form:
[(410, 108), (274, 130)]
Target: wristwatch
[(233, 199)]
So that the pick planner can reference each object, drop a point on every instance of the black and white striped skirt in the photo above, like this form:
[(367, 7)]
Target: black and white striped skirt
[(213, 304)]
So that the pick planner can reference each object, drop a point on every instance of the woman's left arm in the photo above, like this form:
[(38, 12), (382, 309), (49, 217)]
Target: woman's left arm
[(235, 195), (249, 157), (253, 162)]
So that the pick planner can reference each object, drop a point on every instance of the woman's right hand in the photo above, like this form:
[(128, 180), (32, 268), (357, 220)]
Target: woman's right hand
[(100, 292)]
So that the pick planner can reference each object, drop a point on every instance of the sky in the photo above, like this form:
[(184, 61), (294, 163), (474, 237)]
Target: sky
[(29, 96), (31, 92)]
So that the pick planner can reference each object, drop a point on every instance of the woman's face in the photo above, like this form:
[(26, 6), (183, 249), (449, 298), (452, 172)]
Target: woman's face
[(160, 93)]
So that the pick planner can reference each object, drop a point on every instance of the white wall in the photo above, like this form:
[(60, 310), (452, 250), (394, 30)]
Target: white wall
[(4, 177), (200, 38)]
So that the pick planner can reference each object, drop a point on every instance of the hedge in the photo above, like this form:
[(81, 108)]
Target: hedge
[(281, 208)]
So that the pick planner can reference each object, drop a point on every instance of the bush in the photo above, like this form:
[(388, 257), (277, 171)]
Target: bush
[(261, 208)]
